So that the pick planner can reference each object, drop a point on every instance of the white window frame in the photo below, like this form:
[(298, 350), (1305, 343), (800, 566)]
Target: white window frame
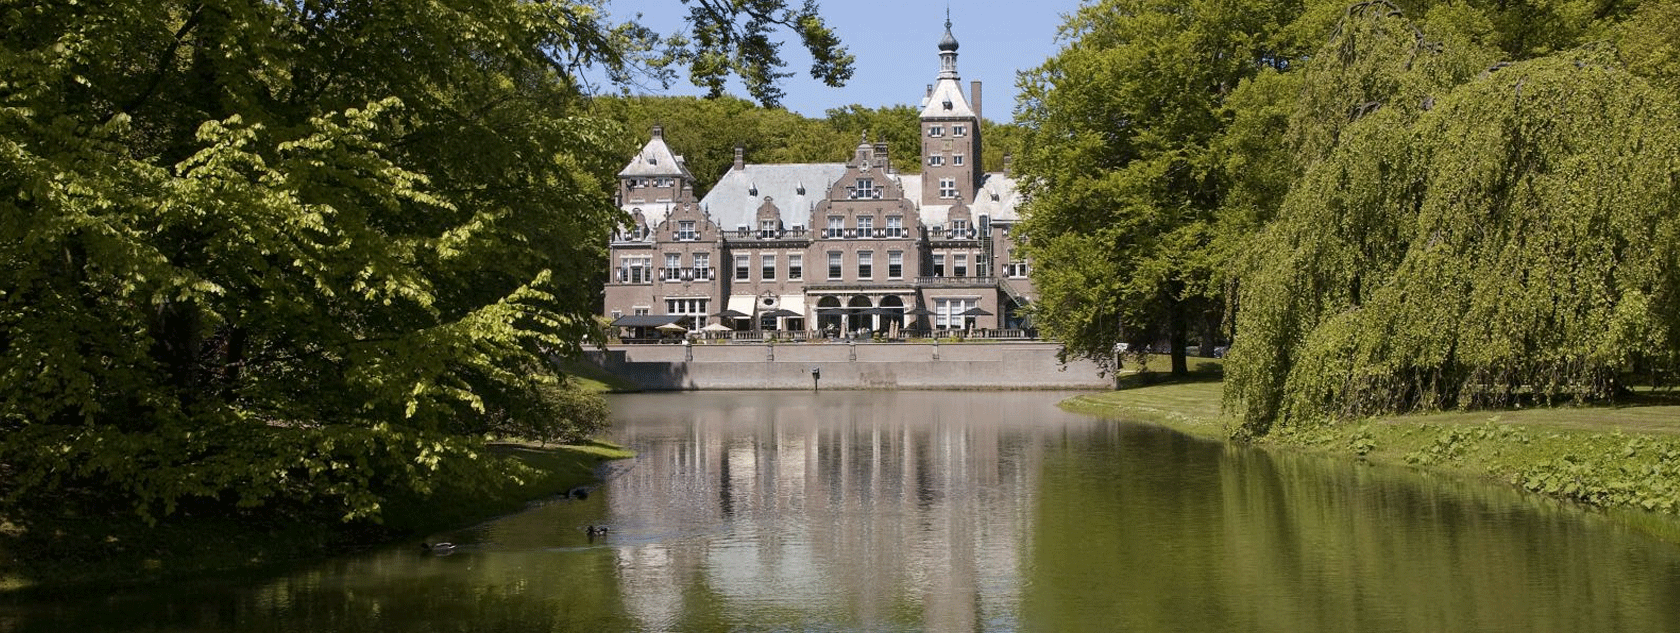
[(796, 266), (947, 188), (702, 266), (836, 265), (743, 267), (895, 264), (865, 265), (767, 267), (673, 266)]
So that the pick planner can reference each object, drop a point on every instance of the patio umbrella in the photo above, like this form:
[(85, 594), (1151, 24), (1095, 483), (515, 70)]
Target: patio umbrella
[(920, 312), (976, 311), (779, 313), (731, 314), (716, 327), (672, 327)]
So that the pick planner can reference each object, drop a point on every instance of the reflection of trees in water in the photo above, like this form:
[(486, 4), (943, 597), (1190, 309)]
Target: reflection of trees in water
[(1143, 530)]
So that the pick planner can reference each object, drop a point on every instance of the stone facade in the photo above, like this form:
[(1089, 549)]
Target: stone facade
[(827, 248)]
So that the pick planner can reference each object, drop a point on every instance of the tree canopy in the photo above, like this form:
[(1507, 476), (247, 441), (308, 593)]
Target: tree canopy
[(295, 252), (1401, 205)]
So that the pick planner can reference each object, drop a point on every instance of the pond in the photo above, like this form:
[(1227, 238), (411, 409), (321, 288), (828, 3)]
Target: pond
[(956, 511)]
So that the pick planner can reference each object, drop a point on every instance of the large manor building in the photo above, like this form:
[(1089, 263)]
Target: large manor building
[(826, 248)]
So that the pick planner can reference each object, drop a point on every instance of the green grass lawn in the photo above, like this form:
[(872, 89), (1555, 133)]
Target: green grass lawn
[(1625, 456)]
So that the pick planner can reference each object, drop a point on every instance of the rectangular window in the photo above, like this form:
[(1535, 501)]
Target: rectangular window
[(768, 269), (947, 313), (835, 265), (743, 269), (936, 131), (696, 307), (895, 226), (947, 187), (895, 264), (959, 265), (836, 226), (796, 266), (685, 230), (866, 225), (936, 160), (766, 229), (957, 160), (959, 130), (866, 264), (866, 188), (702, 266), (673, 266), (960, 230), (939, 264), (634, 270)]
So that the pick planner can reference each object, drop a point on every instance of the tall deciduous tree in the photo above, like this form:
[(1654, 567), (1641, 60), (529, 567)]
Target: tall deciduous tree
[(1466, 237), (290, 251), (1119, 166)]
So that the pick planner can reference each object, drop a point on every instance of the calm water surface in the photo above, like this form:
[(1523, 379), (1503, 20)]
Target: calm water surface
[(928, 511)]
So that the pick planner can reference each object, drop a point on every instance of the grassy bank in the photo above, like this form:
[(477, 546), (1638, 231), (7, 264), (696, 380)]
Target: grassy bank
[(76, 541), (1624, 458)]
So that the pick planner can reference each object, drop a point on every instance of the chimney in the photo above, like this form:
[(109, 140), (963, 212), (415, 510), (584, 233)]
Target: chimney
[(974, 88), (880, 155), (659, 131), (740, 158), (1008, 164)]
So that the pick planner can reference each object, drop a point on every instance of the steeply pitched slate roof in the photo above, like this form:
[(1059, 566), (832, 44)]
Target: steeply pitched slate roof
[(947, 90), (794, 189), (1002, 209), (656, 159)]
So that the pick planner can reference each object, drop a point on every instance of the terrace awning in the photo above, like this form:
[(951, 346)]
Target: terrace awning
[(647, 320)]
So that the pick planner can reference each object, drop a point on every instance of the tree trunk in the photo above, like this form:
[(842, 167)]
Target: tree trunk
[(1176, 332)]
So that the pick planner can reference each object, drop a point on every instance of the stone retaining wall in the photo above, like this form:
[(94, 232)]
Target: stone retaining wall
[(1025, 365)]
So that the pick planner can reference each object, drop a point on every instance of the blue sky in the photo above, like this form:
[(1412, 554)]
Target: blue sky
[(896, 46)]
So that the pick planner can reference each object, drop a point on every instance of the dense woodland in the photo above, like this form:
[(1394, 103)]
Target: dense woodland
[(1390, 206)]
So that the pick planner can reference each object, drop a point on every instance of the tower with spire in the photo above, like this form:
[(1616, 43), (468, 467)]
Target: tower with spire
[(950, 132)]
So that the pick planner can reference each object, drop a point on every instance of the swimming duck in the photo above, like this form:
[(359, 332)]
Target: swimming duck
[(597, 530), (438, 548)]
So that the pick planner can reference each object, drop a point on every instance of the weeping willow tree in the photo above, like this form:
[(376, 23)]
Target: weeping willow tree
[(1462, 242)]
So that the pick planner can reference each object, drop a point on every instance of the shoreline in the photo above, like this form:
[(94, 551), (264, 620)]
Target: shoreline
[(1623, 461), (77, 548)]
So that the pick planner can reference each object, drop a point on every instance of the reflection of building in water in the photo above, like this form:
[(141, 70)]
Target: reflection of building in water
[(821, 513)]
